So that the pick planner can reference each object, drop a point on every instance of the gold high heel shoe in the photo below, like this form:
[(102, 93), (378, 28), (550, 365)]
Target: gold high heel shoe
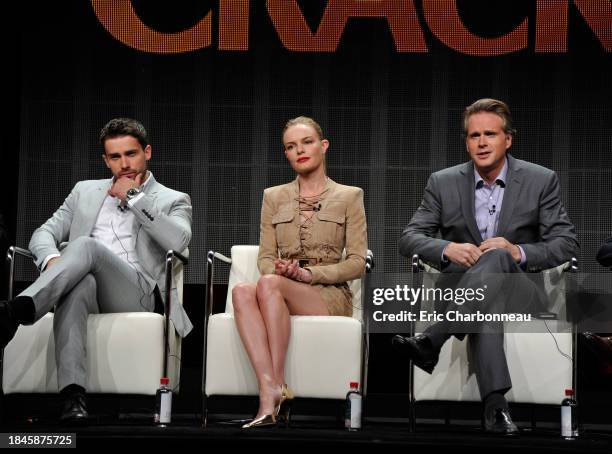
[(262, 421), (284, 406), (286, 393), (274, 418)]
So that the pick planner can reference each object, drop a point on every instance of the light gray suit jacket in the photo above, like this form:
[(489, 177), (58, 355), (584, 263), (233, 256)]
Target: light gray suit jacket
[(532, 216), (163, 222)]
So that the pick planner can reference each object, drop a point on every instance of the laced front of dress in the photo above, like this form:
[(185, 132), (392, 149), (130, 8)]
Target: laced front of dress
[(308, 206)]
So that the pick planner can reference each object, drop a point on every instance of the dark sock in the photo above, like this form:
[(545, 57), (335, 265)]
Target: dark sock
[(72, 389), (495, 399), (22, 309)]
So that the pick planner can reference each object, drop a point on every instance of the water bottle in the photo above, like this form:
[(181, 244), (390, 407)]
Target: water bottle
[(163, 403), (352, 418), (569, 416)]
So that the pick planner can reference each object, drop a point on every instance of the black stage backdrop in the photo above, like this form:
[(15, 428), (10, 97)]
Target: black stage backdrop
[(390, 105)]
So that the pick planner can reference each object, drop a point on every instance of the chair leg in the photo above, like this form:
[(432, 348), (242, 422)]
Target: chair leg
[(204, 412)]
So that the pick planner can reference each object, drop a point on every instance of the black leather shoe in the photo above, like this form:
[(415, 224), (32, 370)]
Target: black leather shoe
[(8, 325), (75, 409), (498, 421), (419, 349)]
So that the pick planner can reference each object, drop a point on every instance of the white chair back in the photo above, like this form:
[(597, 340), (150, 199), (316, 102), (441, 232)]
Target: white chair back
[(244, 269)]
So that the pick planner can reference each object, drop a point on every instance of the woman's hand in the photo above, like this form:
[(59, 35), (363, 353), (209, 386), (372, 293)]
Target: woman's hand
[(292, 270)]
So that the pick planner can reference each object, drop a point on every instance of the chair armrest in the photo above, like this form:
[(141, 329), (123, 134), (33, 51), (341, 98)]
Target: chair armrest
[(418, 265), (210, 272), (11, 254), (15, 250), (369, 261), (219, 256), (171, 254), (570, 266)]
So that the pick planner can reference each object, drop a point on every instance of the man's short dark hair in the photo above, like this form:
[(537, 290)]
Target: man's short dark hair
[(119, 127), (495, 106)]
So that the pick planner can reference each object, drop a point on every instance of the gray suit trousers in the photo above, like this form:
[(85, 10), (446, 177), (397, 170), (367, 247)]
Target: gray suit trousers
[(486, 346), (87, 279)]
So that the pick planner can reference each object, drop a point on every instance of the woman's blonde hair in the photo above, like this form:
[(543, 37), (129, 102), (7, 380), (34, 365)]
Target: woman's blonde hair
[(301, 120)]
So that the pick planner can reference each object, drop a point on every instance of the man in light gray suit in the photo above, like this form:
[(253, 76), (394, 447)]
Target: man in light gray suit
[(118, 231), (494, 214)]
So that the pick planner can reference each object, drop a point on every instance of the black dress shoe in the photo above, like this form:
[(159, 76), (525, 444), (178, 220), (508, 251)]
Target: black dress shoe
[(8, 325), (75, 409), (419, 349), (498, 421)]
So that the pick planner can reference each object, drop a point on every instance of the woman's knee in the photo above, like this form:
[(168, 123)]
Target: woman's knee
[(243, 296), (268, 284)]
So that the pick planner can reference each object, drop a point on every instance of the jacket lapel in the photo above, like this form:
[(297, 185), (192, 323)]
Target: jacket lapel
[(466, 191), (511, 195), (95, 199), (152, 187)]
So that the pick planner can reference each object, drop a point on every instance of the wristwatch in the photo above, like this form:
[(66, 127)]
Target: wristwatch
[(131, 193)]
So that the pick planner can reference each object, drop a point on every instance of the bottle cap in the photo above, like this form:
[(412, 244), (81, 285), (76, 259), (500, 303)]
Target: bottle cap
[(569, 392), (354, 384), (164, 381)]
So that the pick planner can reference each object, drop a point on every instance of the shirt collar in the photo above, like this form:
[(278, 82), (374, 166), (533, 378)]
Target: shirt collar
[(500, 180), (147, 182), (296, 184)]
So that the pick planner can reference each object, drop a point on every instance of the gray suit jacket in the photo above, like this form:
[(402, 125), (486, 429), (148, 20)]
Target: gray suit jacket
[(532, 216), (163, 221)]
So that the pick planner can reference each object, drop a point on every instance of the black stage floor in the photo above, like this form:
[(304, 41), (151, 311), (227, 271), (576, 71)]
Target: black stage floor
[(308, 432), (127, 421)]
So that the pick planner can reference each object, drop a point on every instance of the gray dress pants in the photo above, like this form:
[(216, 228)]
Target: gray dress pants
[(486, 346), (87, 279)]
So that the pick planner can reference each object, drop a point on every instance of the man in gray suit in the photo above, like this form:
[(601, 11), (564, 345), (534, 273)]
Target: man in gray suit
[(495, 214), (118, 231)]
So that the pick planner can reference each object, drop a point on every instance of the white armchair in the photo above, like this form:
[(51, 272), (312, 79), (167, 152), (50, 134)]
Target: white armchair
[(541, 364), (325, 352), (127, 353)]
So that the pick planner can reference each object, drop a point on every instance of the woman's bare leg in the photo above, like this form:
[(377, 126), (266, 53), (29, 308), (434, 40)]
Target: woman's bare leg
[(278, 298), (254, 336)]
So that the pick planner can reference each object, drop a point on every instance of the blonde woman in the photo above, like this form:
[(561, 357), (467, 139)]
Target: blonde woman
[(305, 226)]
